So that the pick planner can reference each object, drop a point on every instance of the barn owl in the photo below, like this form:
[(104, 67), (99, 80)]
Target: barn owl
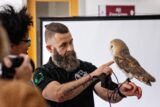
[(129, 64)]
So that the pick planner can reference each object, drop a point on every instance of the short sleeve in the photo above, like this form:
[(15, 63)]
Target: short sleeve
[(42, 78)]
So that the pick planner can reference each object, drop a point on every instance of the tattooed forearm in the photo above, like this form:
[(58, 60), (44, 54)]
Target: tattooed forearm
[(73, 88), (113, 96), (70, 89), (108, 95), (89, 81)]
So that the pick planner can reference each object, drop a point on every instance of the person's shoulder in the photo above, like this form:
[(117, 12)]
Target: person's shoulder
[(13, 84), (21, 90)]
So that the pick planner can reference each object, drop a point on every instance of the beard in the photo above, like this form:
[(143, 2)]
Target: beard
[(68, 62)]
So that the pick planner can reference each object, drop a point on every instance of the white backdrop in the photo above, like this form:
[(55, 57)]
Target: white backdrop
[(91, 42)]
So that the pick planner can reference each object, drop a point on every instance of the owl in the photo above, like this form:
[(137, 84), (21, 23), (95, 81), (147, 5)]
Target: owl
[(129, 65)]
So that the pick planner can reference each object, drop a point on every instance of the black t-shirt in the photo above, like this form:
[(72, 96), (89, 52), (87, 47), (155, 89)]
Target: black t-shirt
[(50, 72)]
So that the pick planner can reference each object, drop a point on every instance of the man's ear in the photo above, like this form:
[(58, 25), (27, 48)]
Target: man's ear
[(49, 48)]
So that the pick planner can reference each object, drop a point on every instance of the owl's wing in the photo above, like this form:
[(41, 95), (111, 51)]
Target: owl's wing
[(131, 65), (126, 63)]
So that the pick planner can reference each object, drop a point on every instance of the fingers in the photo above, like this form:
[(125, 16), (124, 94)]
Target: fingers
[(130, 89), (7, 62), (26, 61), (26, 57), (126, 87), (133, 85), (107, 70), (138, 92), (103, 69), (109, 63)]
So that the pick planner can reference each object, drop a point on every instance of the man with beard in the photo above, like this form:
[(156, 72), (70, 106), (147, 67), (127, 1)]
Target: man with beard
[(66, 81)]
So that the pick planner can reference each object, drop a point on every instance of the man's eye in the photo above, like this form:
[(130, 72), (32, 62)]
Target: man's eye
[(71, 42), (63, 45)]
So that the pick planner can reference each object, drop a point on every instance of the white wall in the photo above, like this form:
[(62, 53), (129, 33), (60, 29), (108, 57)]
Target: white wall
[(16, 3), (141, 6), (82, 7), (91, 43), (58, 9)]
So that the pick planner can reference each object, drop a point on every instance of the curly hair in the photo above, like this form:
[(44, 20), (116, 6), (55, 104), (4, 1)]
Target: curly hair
[(15, 23)]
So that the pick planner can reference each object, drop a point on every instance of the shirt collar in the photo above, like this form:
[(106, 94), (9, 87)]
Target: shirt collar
[(51, 64)]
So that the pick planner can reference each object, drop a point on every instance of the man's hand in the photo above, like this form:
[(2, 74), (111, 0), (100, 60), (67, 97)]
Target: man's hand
[(131, 89), (104, 69)]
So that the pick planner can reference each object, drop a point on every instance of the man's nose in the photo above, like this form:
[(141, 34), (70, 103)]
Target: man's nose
[(70, 48)]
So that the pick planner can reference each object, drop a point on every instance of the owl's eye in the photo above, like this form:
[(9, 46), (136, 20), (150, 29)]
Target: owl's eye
[(111, 46)]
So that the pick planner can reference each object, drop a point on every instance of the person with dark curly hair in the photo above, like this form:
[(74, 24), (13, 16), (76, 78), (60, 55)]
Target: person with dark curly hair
[(16, 93), (17, 26)]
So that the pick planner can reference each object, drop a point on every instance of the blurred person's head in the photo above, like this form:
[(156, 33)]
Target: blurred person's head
[(59, 43), (4, 44), (17, 26), (24, 71)]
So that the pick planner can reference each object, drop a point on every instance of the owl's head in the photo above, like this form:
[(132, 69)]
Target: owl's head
[(118, 47)]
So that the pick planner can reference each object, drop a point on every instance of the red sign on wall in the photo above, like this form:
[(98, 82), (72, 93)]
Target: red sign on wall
[(120, 10)]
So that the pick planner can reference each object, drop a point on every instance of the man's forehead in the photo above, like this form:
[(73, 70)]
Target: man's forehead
[(62, 37)]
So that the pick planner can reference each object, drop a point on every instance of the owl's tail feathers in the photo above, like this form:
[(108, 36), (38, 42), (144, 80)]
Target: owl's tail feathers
[(144, 76)]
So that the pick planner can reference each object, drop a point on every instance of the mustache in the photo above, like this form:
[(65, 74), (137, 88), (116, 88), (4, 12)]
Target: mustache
[(70, 53)]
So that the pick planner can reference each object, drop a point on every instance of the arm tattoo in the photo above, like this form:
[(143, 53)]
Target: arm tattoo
[(81, 83), (113, 96)]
